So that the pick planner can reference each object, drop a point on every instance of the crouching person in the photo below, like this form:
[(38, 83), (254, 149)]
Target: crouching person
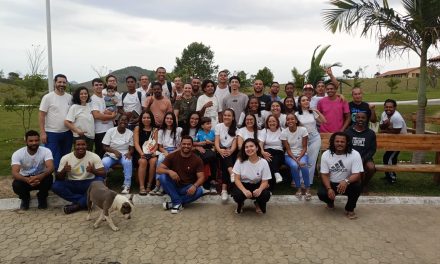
[(181, 176), (76, 172), (251, 175)]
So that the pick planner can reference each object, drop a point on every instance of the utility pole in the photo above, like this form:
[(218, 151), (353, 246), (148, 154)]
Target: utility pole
[(49, 48)]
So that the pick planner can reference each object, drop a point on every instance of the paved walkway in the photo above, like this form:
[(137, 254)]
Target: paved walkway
[(213, 233)]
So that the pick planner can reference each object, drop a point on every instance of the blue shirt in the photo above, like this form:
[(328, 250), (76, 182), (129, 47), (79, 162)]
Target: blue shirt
[(203, 136)]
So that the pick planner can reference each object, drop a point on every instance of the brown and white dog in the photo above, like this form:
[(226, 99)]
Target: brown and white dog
[(107, 200)]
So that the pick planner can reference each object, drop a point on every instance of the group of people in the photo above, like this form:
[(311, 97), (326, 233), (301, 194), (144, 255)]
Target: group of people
[(180, 136)]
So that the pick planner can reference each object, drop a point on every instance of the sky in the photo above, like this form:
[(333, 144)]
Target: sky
[(244, 35)]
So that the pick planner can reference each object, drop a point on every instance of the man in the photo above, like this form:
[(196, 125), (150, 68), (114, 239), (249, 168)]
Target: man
[(236, 100), (319, 94), (196, 91), (181, 176), (131, 103), (263, 98), (144, 85), (335, 110), (76, 172), (158, 104), (364, 141), (178, 91), (32, 168), (103, 118), (167, 86), (391, 122), (357, 105), (111, 81), (53, 111), (289, 89), (222, 89), (274, 90), (340, 172)]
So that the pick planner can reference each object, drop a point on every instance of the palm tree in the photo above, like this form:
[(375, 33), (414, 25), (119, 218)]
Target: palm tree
[(416, 30)]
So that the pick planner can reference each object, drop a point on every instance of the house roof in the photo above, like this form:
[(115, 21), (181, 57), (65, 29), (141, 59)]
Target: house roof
[(396, 72), (435, 59)]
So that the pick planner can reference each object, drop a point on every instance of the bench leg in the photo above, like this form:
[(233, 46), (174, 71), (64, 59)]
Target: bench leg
[(436, 177)]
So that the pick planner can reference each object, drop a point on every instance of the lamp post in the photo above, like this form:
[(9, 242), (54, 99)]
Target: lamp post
[(49, 48)]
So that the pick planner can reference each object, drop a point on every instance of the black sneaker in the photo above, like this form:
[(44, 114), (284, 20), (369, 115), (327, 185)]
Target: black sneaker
[(71, 208), (42, 203), (24, 205)]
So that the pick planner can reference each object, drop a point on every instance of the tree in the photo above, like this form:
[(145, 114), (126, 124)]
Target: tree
[(265, 75), (245, 82), (298, 78), (416, 30), (12, 76), (317, 70), (197, 60), (392, 83), (347, 73)]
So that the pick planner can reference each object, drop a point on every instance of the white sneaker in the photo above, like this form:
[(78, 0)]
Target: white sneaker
[(125, 190), (224, 195), (233, 177), (167, 205), (205, 191), (278, 177), (176, 209), (213, 190)]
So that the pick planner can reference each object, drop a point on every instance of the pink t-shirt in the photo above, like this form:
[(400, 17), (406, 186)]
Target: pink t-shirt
[(334, 111)]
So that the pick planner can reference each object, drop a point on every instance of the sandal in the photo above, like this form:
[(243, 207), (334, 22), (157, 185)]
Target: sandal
[(142, 191), (351, 215), (257, 208), (298, 194), (148, 190), (308, 196)]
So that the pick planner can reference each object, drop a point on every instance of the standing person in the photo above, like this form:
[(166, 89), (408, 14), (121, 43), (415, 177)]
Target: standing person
[(145, 138), (357, 105), (144, 85), (274, 90), (118, 146), (263, 98), (253, 107), (252, 175), (32, 168), (340, 173), (103, 117), (131, 103), (308, 92), (53, 110), (111, 81), (208, 104), (178, 91), (79, 119), (222, 89), (335, 110), (363, 140), (308, 118), (157, 103), (276, 109), (167, 86), (185, 105), (226, 145), (196, 91), (294, 140), (248, 129), (391, 122), (289, 105), (181, 175), (289, 89), (77, 171), (236, 100), (319, 94), (272, 148)]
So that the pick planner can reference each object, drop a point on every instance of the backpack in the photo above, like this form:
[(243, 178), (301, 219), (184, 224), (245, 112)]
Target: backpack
[(139, 94), (170, 88)]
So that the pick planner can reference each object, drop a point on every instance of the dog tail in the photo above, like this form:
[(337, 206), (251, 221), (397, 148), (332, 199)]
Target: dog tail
[(131, 199), (89, 200)]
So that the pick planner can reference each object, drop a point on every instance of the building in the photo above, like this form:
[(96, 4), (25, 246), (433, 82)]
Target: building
[(403, 73)]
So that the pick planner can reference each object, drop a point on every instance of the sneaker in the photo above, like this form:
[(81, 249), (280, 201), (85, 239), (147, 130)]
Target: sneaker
[(71, 208), (160, 192), (125, 190), (213, 190), (278, 177), (224, 195), (167, 205), (24, 205), (176, 209), (205, 191), (42, 203), (155, 191)]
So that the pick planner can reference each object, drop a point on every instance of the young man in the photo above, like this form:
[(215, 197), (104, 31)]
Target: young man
[(131, 103), (289, 89), (357, 105), (391, 122), (144, 85), (77, 171), (53, 111), (263, 98), (274, 90), (335, 111), (222, 89), (341, 167), (167, 86), (158, 104), (196, 91), (32, 168), (236, 100), (181, 176), (111, 81)]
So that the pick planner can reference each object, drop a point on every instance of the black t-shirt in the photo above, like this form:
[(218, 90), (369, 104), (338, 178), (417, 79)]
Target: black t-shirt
[(264, 100), (363, 107)]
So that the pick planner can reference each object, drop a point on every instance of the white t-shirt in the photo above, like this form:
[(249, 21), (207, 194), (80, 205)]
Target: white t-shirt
[(295, 139), (144, 93), (211, 112), (98, 104), (56, 108), (165, 91), (396, 120), (308, 120), (167, 140), (81, 116), (79, 166), (271, 139), (221, 93), (31, 164), (282, 117), (118, 141), (131, 102), (260, 120), (252, 172), (314, 101), (341, 167), (244, 133), (225, 139)]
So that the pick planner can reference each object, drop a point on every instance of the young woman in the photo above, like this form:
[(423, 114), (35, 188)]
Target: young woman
[(294, 140), (168, 141), (251, 174), (289, 105), (253, 107), (185, 105), (248, 130), (145, 142), (276, 109), (207, 104), (308, 118), (192, 125), (272, 148), (79, 119), (226, 145)]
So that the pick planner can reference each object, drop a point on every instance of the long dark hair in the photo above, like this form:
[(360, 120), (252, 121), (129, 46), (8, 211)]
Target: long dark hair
[(243, 156), (152, 124), (348, 147), (233, 127), (246, 110), (294, 104), (299, 108), (255, 127), (187, 126), (75, 96), (174, 127)]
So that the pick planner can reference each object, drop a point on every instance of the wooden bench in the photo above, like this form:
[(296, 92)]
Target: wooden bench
[(404, 142), (428, 120)]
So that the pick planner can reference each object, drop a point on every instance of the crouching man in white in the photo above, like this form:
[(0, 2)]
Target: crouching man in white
[(341, 167)]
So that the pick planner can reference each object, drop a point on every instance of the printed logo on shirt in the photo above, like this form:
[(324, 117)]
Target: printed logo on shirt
[(358, 141), (338, 167)]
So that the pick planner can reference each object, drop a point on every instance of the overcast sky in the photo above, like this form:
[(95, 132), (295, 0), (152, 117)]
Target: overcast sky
[(244, 35)]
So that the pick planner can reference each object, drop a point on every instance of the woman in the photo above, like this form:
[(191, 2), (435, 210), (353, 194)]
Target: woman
[(251, 177), (294, 140), (118, 147), (248, 130), (79, 119), (272, 148), (145, 142), (226, 145), (253, 107), (208, 104), (192, 125), (185, 105), (308, 119), (289, 105), (276, 109)]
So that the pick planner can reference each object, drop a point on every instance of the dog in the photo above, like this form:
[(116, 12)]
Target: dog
[(107, 200)]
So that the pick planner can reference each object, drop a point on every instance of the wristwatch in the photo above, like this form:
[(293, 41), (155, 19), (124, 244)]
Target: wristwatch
[(347, 181)]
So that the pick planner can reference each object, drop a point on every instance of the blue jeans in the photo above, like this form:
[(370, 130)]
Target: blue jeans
[(161, 158), (127, 166), (295, 169), (60, 144), (178, 194), (74, 191)]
